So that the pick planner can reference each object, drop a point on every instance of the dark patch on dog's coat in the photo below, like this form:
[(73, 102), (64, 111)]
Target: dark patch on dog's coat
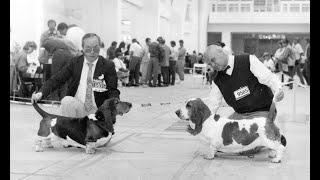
[(272, 131), (216, 117), (231, 131)]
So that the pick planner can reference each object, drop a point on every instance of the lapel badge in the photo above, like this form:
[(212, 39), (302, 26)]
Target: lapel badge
[(101, 77)]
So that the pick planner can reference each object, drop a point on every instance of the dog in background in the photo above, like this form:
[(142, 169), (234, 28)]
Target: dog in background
[(83, 132), (233, 136)]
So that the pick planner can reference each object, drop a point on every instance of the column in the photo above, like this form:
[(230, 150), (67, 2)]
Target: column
[(110, 21), (203, 24)]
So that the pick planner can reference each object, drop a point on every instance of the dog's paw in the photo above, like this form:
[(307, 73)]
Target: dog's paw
[(48, 145), (272, 154), (90, 150), (208, 156), (38, 148), (276, 160)]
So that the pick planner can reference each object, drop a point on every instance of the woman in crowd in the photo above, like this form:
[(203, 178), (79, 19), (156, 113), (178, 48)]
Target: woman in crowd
[(27, 65), (122, 71), (277, 55), (268, 61)]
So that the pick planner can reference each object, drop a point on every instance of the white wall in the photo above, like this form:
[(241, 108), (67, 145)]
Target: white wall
[(144, 20), (26, 20), (149, 18)]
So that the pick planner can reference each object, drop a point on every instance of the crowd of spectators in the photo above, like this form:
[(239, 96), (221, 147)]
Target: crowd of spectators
[(154, 63)]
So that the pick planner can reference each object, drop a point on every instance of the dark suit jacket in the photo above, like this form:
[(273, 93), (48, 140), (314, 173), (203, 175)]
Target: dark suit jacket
[(73, 72)]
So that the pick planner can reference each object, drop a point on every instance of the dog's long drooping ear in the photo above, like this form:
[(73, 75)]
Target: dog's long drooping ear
[(108, 108), (199, 113)]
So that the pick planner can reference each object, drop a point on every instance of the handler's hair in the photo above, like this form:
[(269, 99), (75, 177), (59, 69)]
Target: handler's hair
[(89, 35), (51, 21), (29, 44), (173, 43)]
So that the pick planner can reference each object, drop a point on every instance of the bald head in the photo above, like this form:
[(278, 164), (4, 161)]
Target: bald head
[(216, 57)]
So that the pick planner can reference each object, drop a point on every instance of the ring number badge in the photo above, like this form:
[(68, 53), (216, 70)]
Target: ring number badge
[(241, 93)]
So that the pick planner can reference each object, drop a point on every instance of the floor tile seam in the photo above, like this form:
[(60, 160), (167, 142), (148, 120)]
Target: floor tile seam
[(57, 162)]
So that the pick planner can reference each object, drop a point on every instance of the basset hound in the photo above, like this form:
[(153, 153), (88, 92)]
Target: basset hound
[(231, 135), (89, 132)]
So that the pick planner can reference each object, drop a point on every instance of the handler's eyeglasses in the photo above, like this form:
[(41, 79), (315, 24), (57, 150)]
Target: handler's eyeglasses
[(95, 49)]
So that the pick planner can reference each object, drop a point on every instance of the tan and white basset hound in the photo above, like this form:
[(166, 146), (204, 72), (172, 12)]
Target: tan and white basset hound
[(230, 135)]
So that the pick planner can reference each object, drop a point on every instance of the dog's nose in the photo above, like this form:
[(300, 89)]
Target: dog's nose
[(130, 105), (178, 112)]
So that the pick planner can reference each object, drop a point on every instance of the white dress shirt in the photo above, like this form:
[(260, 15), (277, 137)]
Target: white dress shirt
[(297, 50), (174, 53), (269, 64), (118, 63), (258, 69), (81, 92), (136, 49)]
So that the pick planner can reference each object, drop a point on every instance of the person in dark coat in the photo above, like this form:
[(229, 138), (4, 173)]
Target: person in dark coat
[(62, 53), (93, 79)]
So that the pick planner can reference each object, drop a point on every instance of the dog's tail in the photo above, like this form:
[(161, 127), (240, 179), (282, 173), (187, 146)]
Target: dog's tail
[(272, 112), (40, 111)]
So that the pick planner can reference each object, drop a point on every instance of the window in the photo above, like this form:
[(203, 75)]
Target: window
[(233, 8), (213, 8), (305, 8), (245, 7), (285, 8), (259, 5), (221, 8), (276, 6), (294, 7)]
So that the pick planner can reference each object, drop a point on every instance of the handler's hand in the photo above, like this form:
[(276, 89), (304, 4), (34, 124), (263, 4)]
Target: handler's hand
[(278, 96), (36, 97)]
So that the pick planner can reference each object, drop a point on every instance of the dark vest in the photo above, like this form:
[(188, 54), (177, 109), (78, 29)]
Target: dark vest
[(242, 90)]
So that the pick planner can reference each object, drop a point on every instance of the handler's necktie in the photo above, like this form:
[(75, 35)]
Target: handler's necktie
[(88, 104), (225, 70)]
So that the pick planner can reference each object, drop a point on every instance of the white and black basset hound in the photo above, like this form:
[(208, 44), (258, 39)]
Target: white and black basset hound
[(230, 135), (90, 132)]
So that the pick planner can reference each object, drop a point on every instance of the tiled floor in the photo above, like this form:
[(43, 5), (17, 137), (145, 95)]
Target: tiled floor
[(150, 143)]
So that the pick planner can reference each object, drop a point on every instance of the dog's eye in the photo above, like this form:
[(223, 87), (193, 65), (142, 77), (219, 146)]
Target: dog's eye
[(188, 105)]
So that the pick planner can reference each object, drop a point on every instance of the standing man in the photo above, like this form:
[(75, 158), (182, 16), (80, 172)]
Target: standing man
[(44, 57), (165, 63), (172, 62), (288, 61), (135, 52), (306, 68), (298, 53), (244, 82), (181, 61), (111, 51), (62, 29), (93, 80), (50, 32), (156, 54), (62, 53), (145, 62), (193, 58)]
